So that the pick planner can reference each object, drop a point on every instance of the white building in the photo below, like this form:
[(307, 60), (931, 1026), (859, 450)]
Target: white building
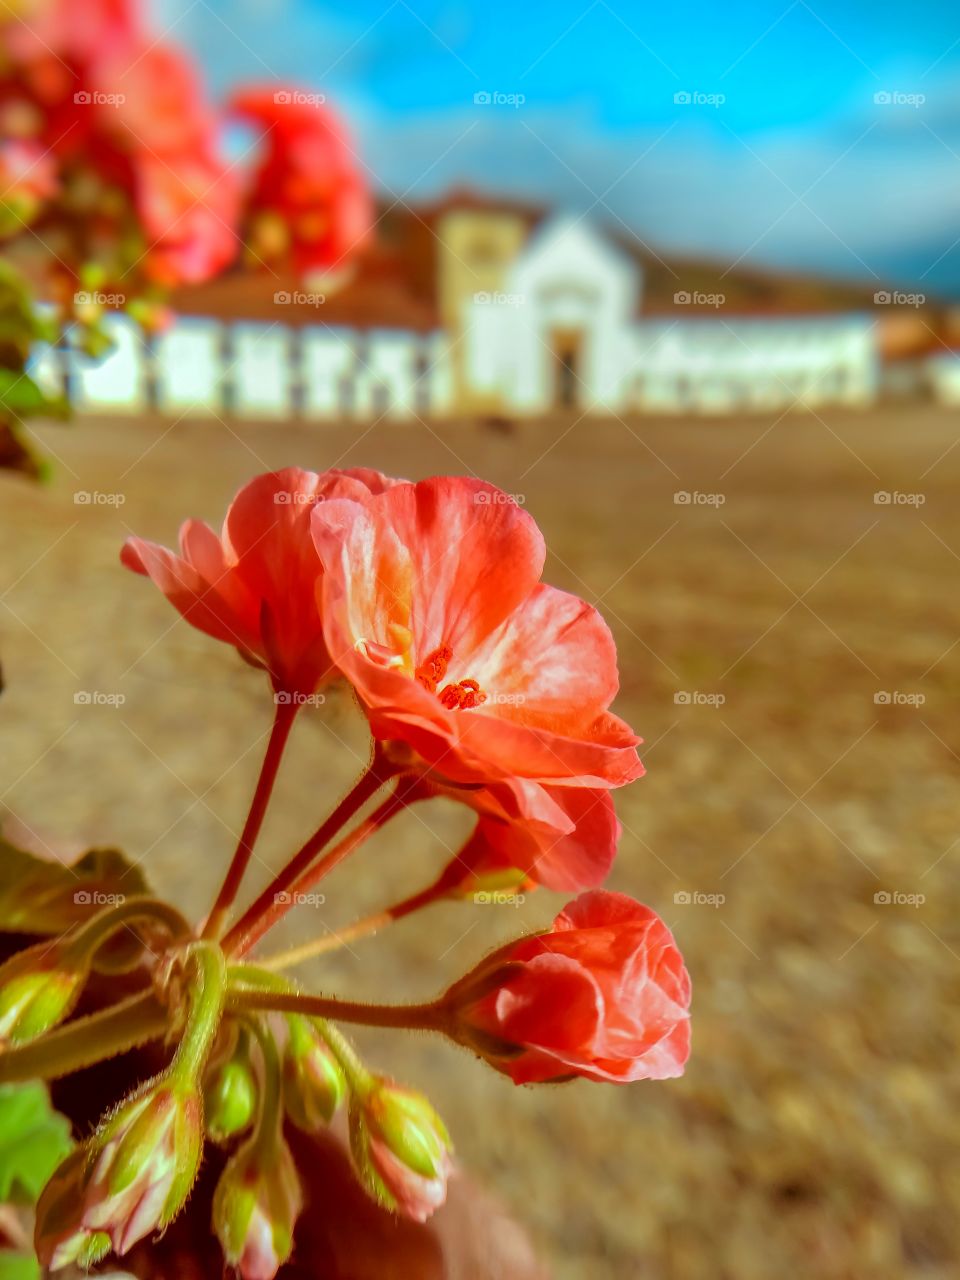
[(497, 311), (564, 332)]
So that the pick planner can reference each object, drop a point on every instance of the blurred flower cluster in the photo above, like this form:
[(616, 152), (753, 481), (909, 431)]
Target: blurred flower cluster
[(116, 184)]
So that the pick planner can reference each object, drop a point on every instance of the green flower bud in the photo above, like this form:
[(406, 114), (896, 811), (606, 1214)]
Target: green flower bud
[(38, 989), (230, 1099), (131, 1178), (255, 1208), (401, 1148), (313, 1082)]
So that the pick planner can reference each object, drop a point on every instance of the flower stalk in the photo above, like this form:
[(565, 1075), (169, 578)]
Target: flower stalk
[(258, 1198), (284, 716), (362, 928), (408, 1017), (207, 995), (299, 876)]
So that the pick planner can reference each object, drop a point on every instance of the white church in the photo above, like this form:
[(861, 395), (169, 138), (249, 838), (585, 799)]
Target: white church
[(564, 330), (485, 309)]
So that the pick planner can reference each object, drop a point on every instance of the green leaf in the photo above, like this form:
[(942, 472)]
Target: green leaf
[(33, 1140), (43, 896), (18, 1266), (21, 397)]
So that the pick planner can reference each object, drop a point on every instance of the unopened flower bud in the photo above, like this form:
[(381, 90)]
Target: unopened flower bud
[(38, 989), (313, 1082), (230, 1098), (255, 1208), (144, 1161), (60, 1238), (401, 1149)]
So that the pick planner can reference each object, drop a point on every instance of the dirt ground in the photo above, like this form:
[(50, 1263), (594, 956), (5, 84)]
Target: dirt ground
[(790, 651)]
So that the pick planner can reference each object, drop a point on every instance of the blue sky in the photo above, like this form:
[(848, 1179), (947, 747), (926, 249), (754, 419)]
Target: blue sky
[(782, 157)]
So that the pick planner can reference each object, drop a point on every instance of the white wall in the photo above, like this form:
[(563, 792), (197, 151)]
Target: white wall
[(718, 366), (329, 361), (945, 378), (387, 375), (118, 381), (261, 370), (189, 367)]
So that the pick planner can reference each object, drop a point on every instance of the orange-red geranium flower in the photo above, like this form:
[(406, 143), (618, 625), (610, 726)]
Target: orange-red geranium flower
[(309, 206), (434, 611), (604, 994), (255, 585), (162, 146), (575, 854)]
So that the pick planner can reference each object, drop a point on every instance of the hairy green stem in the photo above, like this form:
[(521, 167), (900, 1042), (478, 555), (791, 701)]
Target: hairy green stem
[(271, 1099), (206, 1000)]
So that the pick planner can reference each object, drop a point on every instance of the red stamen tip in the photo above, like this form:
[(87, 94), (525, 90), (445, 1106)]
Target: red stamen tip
[(462, 696), (434, 667)]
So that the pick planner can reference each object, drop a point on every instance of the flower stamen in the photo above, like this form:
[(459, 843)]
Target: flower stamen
[(462, 696), (434, 667)]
